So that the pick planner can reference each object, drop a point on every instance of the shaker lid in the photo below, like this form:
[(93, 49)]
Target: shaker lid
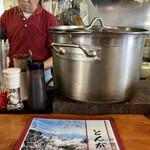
[(11, 70)]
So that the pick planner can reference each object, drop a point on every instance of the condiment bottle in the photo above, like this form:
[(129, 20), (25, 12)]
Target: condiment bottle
[(37, 95)]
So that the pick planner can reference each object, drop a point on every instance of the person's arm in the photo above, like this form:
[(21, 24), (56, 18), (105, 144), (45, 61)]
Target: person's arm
[(48, 63)]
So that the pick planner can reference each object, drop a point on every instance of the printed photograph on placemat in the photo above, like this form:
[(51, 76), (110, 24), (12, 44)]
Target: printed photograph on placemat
[(70, 134)]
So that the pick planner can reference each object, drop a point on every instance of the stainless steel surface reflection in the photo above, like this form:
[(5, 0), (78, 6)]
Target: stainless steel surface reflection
[(124, 12), (110, 76), (3, 61)]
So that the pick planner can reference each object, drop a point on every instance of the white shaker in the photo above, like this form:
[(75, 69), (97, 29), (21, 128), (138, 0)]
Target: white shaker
[(12, 84)]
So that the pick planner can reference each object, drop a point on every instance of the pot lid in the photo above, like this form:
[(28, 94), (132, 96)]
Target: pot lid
[(101, 28)]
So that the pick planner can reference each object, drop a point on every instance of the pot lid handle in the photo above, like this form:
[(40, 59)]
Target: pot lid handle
[(93, 21)]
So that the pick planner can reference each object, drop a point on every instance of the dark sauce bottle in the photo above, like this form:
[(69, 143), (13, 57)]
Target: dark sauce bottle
[(37, 95)]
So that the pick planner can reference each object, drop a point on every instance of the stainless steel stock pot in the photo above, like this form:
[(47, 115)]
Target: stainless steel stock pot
[(97, 64)]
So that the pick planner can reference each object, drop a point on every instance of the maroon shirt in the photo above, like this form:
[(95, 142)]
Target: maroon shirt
[(28, 34)]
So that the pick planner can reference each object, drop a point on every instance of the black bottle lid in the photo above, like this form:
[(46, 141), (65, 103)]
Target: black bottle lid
[(35, 65)]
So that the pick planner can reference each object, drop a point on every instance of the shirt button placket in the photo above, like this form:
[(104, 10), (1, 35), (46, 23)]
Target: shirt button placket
[(24, 19)]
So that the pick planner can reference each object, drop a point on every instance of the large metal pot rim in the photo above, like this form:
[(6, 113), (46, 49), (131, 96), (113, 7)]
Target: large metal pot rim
[(97, 29)]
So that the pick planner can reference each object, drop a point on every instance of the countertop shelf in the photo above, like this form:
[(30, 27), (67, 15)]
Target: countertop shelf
[(133, 129), (140, 104)]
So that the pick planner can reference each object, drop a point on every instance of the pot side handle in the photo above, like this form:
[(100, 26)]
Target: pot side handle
[(88, 53)]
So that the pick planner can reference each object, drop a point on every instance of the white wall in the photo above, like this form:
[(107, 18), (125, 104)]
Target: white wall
[(1, 7)]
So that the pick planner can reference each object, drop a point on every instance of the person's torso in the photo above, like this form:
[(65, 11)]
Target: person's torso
[(28, 34)]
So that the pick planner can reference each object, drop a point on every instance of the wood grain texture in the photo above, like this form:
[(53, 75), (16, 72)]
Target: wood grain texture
[(134, 130)]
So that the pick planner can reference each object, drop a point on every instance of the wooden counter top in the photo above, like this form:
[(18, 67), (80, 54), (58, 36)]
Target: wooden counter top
[(134, 130)]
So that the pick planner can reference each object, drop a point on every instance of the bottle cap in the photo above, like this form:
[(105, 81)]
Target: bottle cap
[(35, 65), (11, 70), (12, 77)]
